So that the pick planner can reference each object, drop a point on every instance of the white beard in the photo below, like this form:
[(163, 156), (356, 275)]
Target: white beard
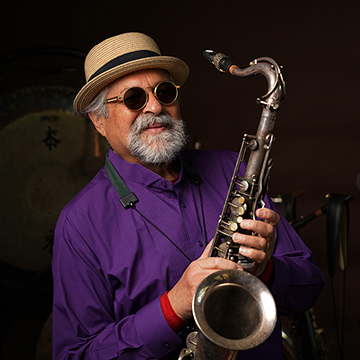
[(160, 148)]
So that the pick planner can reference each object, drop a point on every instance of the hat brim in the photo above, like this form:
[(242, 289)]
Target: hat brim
[(176, 67)]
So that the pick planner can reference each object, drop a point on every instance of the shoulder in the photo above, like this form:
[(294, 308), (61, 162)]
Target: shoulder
[(206, 158), (89, 199)]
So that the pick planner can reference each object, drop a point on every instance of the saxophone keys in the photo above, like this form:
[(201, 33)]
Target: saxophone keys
[(241, 200), (233, 226), (239, 219), (239, 205)]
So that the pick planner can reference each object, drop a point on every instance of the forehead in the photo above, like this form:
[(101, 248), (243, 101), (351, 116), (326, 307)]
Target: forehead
[(142, 78)]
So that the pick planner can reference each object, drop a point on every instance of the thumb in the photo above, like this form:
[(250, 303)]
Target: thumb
[(206, 252)]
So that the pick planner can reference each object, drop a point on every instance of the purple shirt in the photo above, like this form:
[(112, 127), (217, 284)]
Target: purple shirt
[(110, 266)]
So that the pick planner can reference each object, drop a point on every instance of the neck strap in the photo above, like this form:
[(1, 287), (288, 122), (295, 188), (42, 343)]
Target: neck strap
[(128, 198)]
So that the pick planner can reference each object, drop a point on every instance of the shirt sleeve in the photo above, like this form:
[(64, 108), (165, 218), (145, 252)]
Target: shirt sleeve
[(84, 323), (296, 281)]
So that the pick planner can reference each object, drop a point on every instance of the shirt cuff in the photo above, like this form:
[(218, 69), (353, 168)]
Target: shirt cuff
[(153, 330), (174, 321)]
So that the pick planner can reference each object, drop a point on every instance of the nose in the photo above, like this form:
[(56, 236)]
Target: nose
[(153, 105)]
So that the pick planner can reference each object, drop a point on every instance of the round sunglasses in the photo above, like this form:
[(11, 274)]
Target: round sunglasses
[(136, 98)]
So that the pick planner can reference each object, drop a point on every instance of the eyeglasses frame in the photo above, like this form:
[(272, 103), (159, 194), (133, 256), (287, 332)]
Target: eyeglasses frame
[(120, 98)]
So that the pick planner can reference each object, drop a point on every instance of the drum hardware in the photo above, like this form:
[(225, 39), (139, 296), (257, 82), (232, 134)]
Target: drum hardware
[(308, 341)]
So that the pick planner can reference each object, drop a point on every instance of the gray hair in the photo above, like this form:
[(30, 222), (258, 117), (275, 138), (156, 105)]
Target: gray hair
[(97, 105)]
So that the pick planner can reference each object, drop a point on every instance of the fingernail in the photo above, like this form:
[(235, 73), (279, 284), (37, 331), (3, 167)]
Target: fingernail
[(243, 250), (244, 224), (238, 238), (261, 213)]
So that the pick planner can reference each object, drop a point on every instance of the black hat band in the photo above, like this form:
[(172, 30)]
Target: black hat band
[(122, 59)]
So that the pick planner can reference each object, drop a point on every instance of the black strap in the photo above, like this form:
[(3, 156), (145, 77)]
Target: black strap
[(196, 179), (127, 198), (191, 174)]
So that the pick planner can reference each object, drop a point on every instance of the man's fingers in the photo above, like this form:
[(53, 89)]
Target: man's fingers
[(268, 215)]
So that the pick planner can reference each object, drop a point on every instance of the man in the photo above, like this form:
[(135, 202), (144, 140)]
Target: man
[(125, 272)]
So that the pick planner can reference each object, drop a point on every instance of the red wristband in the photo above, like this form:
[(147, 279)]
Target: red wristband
[(174, 321)]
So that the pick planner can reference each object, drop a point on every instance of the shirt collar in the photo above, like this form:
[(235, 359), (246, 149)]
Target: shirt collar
[(136, 173)]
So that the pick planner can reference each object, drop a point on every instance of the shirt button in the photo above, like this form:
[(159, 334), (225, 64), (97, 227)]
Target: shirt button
[(163, 183), (200, 244), (183, 205), (166, 345)]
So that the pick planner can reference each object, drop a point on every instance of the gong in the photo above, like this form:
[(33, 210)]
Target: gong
[(48, 154)]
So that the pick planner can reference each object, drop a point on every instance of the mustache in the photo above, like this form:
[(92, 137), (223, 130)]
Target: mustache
[(143, 121)]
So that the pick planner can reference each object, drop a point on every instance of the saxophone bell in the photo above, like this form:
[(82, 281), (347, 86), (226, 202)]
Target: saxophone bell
[(233, 311)]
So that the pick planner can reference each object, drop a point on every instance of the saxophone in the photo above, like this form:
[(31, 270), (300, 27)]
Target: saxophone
[(233, 310)]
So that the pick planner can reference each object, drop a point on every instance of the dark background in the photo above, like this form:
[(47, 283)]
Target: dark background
[(317, 131)]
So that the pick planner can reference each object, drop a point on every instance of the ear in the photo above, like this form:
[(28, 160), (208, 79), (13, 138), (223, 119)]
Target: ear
[(98, 122)]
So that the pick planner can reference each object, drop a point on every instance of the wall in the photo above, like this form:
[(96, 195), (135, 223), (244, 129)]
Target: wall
[(317, 132)]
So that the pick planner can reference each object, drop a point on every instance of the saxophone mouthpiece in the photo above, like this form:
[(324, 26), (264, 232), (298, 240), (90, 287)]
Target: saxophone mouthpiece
[(220, 61), (209, 55)]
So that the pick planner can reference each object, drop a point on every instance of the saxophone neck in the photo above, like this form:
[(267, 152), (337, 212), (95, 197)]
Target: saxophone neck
[(272, 71), (265, 66)]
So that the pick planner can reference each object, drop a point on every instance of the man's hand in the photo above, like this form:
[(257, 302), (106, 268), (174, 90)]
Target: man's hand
[(258, 247), (181, 295)]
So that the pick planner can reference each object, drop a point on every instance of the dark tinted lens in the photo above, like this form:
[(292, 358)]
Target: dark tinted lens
[(166, 92), (134, 98)]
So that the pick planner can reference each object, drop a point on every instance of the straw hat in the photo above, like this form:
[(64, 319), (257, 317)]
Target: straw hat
[(121, 55)]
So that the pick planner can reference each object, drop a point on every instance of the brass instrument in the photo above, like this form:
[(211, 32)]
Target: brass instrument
[(233, 310)]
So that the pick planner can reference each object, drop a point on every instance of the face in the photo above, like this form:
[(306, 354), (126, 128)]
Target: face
[(119, 126)]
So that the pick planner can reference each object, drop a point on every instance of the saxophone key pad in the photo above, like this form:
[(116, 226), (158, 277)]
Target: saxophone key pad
[(233, 226)]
